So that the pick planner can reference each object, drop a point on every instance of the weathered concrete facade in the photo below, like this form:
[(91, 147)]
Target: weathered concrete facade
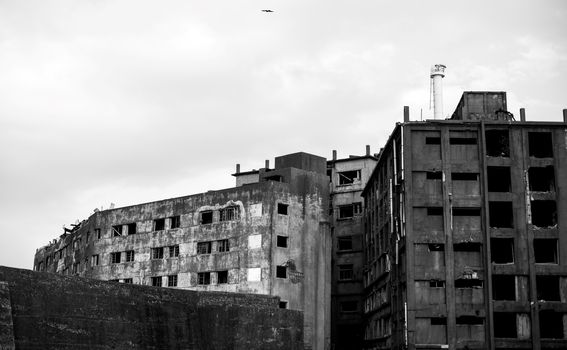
[(270, 237), (348, 177), (465, 233), (48, 311)]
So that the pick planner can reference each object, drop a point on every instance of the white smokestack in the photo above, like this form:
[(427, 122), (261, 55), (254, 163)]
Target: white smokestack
[(437, 74)]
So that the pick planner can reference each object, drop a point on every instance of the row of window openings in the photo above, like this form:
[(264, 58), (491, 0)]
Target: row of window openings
[(158, 225), (502, 250), (540, 144), (504, 287)]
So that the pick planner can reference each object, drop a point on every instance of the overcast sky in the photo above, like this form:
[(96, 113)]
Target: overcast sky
[(135, 101)]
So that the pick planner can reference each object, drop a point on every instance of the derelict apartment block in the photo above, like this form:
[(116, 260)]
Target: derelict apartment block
[(268, 236), (465, 237)]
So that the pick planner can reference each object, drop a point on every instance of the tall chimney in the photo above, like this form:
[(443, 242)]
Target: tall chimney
[(267, 164), (238, 168), (334, 154), (367, 150), (437, 74)]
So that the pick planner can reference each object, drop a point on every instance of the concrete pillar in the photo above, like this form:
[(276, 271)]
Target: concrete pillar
[(406, 114), (522, 114)]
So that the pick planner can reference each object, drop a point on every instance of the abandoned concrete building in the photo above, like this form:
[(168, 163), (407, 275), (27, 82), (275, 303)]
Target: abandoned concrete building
[(465, 232), (270, 236)]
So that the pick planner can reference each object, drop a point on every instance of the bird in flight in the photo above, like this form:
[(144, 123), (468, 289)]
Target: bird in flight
[(267, 11)]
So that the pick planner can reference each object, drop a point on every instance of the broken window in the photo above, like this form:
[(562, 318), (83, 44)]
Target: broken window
[(497, 143), (467, 247), (156, 281), (346, 272), (436, 247), (432, 140), (159, 224), (502, 250), (174, 222), (435, 211), (505, 325), (97, 233), (464, 176), (466, 211), (283, 304), (222, 277), (204, 278), (131, 228), (544, 213), (548, 288), (229, 213), (174, 251), (462, 141), (349, 177), (540, 144), (349, 306), (282, 208), (172, 281), (349, 211), (551, 324), (223, 246), (468, 283), (499, 179), (503, 287), (206, 217), (116, 230), (276, 178), (94, 260), (157, 253), (501, 214), (344, 243), (434, 175), (281, 271), (438, 321), (129, 255), (545, 251), (541, 179), (282, 241), (470, 320), (128, 281), (436, 284), (204, 247)]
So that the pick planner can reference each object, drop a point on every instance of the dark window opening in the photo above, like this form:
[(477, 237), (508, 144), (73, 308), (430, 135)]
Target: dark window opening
[(434, 247), (115, 258), (462, 141), (174, 251), (541, 179), (501, 214), (467, 247), (470, 320), (466, 211), (283, 304), (129, 255), (132, 228), (223, 246), (545, 251), (330, 174), (204, 247), (349, 211), (156, 281), (503, 287), (204, 278), (548, 288), (432, 140), (551, 324), (159, 224), (128, 281), (276, 178), (436, 284), (94, 260), (497, 143), (157, 253), (540, 144), (282, 208), (229, 213), (505, 325), (434, 175), (175, 222), (116, 230), (172, 281), (435, 211), (502, 250), (349, 306), (206, 217), (349, 177), (544, 213), (222, 277), (462, 283), (438, 321), (97, 233), (281, 271), (499, 179), (464, 176), (346, 272), (344, 243), (282, 241)]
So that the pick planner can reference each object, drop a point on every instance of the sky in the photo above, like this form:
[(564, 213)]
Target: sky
[(127, 102)]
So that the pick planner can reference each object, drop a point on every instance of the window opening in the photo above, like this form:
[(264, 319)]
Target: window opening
[(175, 222), (94, 260), (467, 247), (504, 287), (462, 283), (436, 284), (540, 145), (129, 255), (346, 272), (470, 320), (229, 213), (281, 271), (499, 179), (438, 321), (222, 277), (501, 214), (204, 278), (432, 140), (174, 251), (159, 224), (117, 230), (434, 175), (505, 325), (344, 243), (545, 251), (548, 288), (223, 246), (97, 233), (276, 178), (544, 213), (497, 143), (282, 208), (157, 253), (349, 306), (551, 324), (502, 250), (172, 281), (132, 228), (542, 179), (206, 217), (283, 304), (128, 281), (156, 281), (435, 211), (115, 258), (204, 248), (349, 177), (436, 247), (464, 176), (282, 241)]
